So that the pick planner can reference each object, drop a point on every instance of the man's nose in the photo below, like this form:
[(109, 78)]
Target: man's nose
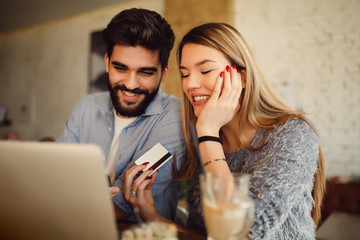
[(132, 81)]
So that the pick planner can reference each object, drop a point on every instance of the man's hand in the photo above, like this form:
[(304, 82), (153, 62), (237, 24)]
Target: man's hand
[(114, 191), (119, 214)]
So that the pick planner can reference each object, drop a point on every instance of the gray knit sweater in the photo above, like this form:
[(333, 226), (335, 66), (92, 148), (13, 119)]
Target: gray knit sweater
[(283, 172)]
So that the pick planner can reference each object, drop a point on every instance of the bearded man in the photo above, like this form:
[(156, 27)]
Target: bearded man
[(134, 114)]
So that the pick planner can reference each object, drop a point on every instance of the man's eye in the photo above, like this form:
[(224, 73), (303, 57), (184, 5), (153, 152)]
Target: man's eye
[(147, 73), (120, 68)]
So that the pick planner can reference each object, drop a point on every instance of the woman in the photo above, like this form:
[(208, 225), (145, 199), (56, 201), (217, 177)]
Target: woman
[(229, 99)]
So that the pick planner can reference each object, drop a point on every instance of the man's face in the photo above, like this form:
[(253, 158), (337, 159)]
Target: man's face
[(134, 78)]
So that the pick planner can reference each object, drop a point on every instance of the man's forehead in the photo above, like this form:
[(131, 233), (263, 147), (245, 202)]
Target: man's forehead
[(136, 55)]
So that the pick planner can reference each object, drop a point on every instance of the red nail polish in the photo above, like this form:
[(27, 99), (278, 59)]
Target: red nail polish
[(148, 177), (151, 168), (145, 163), (238, 70), (227, 68), (233, 66), (222, 74)]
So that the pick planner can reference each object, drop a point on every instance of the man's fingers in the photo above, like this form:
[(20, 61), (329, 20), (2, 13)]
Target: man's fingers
[(114, 191)]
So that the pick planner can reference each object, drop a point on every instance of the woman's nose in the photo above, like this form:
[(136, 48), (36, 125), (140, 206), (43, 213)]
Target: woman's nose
[(193, 82)]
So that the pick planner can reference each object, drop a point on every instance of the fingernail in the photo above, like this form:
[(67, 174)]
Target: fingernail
[(148, 177), (233, 66), (222, 74), (227, 68), (145, 163), (238, 70), (151, 168)]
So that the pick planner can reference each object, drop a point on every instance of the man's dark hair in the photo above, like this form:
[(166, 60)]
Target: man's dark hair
[(133, 27)]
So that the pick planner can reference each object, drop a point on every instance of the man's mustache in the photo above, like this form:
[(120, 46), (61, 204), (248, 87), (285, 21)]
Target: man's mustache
[(135, 91)]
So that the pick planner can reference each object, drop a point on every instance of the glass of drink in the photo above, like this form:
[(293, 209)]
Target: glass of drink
[(228, 209)]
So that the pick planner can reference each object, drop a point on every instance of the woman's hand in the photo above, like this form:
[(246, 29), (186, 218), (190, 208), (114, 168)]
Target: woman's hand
[(222, 104), (138, 192)]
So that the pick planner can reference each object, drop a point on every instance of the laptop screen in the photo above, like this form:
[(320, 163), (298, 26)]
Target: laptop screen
[(54, 191)]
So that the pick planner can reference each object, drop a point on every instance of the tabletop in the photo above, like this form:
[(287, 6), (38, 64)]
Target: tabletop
[(183, 233), (339, 226)]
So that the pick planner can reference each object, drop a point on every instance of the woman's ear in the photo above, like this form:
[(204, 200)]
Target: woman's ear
[(243, 78)]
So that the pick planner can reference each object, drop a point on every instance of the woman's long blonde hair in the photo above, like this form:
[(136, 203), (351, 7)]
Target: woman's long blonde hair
[(261, 106)]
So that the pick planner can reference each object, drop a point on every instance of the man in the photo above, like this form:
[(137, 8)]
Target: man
[(134, 115)]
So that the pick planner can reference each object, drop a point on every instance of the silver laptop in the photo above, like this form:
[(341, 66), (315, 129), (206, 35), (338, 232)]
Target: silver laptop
[(54, 191)]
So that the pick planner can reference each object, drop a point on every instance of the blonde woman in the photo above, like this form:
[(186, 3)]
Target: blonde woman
[(244, 126)]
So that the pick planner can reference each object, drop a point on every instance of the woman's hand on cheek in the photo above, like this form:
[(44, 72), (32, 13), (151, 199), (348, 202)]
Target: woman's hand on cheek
[(222, 104)]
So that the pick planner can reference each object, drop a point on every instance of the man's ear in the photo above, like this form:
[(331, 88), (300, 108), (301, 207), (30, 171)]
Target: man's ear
[(165, 73), (106, 58), (243, 78)]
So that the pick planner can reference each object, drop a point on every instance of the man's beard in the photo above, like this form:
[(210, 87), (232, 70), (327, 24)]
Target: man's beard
[(128, 111)]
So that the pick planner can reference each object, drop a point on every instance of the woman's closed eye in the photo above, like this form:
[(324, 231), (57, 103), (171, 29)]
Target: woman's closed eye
[(206, 72), (202, 72), (183, 75)]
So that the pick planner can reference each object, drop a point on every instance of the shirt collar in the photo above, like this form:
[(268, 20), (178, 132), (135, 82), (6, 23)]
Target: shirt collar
[(156, 106)]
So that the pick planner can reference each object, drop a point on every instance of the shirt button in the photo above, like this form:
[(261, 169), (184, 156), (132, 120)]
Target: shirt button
[(260, 196)]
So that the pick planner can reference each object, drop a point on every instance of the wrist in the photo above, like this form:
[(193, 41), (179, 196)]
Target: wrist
[(207, 131), (210, 138), (156, 217)]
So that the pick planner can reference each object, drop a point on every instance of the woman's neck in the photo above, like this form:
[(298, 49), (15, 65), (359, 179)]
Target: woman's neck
[(230, 135)]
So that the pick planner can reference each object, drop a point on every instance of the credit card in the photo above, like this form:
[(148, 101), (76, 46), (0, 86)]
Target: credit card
[(156, 156)]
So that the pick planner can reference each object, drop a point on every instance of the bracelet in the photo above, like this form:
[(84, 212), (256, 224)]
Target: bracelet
[(210, 138), (215, 160)]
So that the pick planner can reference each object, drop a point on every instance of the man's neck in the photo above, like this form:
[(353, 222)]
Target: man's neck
[(123, 117)]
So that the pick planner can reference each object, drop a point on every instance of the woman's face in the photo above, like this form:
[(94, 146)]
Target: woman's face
[(200, 66)]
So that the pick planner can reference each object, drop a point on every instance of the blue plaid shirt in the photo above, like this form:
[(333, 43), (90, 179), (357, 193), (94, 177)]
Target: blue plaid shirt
[(92, 121)]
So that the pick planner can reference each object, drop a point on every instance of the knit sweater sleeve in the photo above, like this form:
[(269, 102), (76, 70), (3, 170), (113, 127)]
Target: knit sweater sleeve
[(282, 178)]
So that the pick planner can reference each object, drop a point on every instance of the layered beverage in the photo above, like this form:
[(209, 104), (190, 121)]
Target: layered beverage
[(227, 207), (224, 220)]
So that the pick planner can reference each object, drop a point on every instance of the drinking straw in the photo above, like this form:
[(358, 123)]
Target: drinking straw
[(196, 145), (137, 215)]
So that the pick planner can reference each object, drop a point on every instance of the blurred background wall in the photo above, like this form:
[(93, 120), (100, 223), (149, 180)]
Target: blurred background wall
[(309, 49), (45, 67)]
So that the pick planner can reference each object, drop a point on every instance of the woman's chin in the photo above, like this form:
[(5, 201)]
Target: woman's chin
[(197, 112)]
